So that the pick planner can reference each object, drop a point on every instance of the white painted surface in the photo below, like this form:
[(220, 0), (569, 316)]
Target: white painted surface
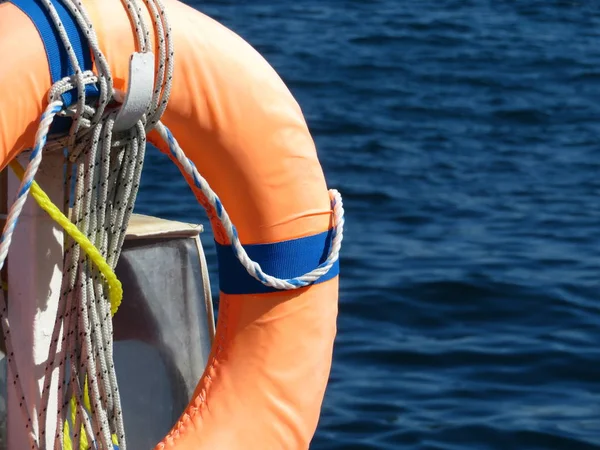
[(34, 280)]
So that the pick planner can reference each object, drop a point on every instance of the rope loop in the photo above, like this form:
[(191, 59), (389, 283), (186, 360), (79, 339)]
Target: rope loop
[(252, 267)]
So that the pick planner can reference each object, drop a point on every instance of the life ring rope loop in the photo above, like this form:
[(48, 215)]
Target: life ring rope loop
[(253, 267)]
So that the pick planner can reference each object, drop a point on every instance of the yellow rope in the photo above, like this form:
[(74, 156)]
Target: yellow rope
[(115, 290)]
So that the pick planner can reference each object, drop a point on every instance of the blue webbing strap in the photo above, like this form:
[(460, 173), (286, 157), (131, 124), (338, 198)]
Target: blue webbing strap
[(58, 59), (288, 259)]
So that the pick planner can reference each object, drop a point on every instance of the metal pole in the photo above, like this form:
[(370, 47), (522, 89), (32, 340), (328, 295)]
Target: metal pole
[(3, 212), (34, 281)]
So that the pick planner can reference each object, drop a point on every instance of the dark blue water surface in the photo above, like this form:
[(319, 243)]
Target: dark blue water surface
[(464, 137)]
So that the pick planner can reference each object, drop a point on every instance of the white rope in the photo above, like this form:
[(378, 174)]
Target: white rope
[(102, 211), (252, 267)]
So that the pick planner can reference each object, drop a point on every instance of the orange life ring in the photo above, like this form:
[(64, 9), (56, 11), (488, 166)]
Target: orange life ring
[(267, 373)]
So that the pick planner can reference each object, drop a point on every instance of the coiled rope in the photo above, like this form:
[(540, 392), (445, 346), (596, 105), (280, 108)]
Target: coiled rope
[(109, 166), (106, 184)]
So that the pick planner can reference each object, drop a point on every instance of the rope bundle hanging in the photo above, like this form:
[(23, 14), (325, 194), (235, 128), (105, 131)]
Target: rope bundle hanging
[(108, 169)]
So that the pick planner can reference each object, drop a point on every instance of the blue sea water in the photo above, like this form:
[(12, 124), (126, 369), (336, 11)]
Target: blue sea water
[(464, 137)]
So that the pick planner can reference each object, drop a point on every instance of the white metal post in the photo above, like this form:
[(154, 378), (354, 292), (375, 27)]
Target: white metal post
[(34, 282)]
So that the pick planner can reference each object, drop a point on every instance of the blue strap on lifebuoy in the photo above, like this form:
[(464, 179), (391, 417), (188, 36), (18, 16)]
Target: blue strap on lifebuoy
[(58, 58), (285, 260)]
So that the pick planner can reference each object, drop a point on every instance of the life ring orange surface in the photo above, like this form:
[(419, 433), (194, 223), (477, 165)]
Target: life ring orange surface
[(264, 384)]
